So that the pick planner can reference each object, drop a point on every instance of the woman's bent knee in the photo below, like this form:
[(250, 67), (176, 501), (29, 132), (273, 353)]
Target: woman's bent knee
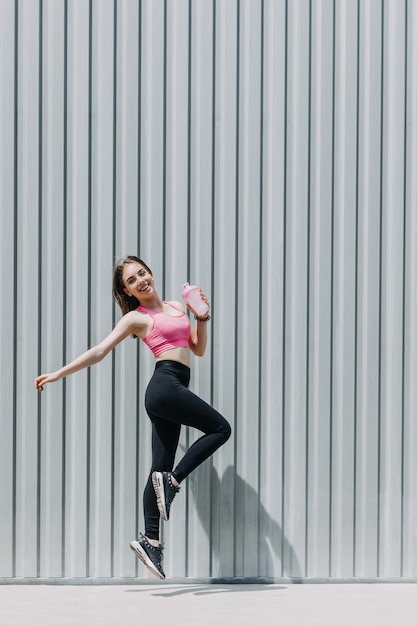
[(226, 431)]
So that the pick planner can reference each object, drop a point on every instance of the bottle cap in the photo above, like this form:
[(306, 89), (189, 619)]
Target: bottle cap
[(187, 288)]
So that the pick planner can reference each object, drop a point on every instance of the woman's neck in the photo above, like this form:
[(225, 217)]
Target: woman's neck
[(154, 302)]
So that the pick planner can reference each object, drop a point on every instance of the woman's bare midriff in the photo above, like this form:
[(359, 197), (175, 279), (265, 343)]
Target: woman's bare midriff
[(181, 355)]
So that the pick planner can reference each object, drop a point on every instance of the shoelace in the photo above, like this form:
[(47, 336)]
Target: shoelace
[(158, 549), (173, 487)]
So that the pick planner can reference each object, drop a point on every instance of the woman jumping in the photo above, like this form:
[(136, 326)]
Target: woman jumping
[(166, 330)]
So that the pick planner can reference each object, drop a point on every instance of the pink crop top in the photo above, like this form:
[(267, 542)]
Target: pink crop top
[(168, 331)]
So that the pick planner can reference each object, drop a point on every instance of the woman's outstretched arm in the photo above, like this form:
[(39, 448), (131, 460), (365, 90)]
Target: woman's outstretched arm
[(129, 323)]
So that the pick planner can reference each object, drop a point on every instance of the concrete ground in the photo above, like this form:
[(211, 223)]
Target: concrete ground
[(191, 604)]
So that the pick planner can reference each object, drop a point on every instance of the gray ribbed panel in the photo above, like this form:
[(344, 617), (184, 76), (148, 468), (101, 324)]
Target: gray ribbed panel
[(267, 150)]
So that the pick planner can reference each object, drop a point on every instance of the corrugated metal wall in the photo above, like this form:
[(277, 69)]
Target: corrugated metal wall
[(267, 150)]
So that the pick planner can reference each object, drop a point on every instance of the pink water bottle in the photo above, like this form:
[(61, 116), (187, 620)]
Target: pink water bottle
[(191, 294)]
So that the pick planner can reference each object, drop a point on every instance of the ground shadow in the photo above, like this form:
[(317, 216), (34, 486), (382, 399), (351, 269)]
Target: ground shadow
[(205, 590), (240, 510)]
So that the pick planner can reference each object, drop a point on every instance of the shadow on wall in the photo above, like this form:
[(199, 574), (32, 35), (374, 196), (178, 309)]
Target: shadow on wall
[(231, 491)]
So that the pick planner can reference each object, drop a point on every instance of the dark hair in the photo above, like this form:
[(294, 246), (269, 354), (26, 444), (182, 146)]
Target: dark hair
[(125, 302)]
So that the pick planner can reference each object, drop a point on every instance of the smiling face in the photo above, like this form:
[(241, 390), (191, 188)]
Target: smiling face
[(129, 284), (138, 280)]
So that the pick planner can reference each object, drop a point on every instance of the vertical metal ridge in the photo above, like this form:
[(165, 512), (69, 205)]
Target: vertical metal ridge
[(284, 293), (213, 225), (308, 274), (213, 140), (113, 356), (261, 215), (15, 265), (164, 147), (332, 291), (139, 142), (189, 106), (114, 135), (40, 244), (188, 226), (356, 328), (236, 294), (89, 297), (381, 250), (64, 292), (213, 186), (139, 204), (404, 286)]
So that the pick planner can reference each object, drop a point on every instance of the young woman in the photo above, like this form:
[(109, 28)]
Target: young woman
[(166, 330)]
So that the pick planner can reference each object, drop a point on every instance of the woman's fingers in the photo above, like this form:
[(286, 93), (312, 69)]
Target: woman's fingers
[(40, 381)]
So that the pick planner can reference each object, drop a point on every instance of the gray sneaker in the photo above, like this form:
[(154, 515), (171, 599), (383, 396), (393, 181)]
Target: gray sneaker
[(149, 555), (165, 492)]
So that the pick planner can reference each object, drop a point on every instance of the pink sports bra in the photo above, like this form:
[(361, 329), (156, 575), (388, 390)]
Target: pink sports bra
[(168, 331)]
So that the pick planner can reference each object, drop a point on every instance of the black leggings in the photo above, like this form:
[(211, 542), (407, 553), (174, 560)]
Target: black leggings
[(169, 404)]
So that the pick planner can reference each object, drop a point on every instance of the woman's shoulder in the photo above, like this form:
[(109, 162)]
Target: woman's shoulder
[(134, 318), (136, 323), (134, 314), (175, 303)]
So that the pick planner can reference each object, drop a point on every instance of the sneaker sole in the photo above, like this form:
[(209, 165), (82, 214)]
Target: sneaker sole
[(158, 485), (141, 554)]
